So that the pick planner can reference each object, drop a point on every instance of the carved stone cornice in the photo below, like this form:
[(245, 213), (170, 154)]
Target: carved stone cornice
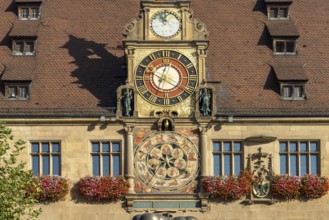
[(204, 129), (129, 129)]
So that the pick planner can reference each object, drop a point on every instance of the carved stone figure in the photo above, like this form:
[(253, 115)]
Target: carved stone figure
[(205, 98), (126, 102)]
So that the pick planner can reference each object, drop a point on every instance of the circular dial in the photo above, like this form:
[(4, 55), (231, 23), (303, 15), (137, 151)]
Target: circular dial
[(165, 24), (166, 78), (166, 161)]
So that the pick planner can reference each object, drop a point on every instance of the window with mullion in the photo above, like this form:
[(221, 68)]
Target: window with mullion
[(284, 46), (106, 158), (227, 158), (298, 158), (29, 12), (278, 12), (46, 158)]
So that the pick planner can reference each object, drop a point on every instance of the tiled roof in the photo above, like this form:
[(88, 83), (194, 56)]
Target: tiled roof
[(25, 29), (289, 73), (278, 1), (28, 1), (282, 28), (79, 57), (19, 69)]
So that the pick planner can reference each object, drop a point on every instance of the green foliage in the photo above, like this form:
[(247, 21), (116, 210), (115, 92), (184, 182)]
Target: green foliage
[(14, 180)]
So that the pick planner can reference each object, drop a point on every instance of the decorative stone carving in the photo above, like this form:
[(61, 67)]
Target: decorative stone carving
[(166, 122), (127, 100), (199, 26), (205, 102), (166, 162), (260, 165)]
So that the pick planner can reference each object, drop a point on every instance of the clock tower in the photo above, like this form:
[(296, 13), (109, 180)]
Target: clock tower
[(166, 100)]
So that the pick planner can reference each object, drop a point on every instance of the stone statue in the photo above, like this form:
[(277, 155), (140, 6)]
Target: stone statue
[(126, 102), (205, 97)]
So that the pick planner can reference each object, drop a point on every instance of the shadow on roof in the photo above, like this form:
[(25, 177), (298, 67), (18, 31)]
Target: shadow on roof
[(12, 8), (98, 70), (272, 82), (265, 39), (6, 41), (260, 6)]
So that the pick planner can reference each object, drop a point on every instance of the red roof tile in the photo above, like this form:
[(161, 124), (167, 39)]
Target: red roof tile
[(19, 69), (25, 29), (28, 1), (79, 56), (290, 73), (282, 28), (278, 1)]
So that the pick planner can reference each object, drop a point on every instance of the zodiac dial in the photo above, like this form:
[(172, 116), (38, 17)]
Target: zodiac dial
[(166, 161), (166, 78)]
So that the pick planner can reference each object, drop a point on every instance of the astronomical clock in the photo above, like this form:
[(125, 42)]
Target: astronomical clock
[(165, 50)]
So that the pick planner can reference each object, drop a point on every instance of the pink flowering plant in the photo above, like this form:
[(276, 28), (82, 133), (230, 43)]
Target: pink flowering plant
[(286, 187), (282, 187), (51, 188), (314, 186), (228, 187), (103, 188), (293, 187)]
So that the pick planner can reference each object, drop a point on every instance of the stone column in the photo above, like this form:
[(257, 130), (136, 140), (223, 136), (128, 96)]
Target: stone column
[(203, 150), (129, 159), (204, 155)]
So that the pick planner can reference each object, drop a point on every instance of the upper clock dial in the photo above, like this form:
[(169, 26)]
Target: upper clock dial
[(166, 78), (165, 24)]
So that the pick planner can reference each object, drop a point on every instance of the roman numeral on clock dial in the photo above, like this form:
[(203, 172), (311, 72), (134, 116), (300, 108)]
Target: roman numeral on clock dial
[(166, 78)]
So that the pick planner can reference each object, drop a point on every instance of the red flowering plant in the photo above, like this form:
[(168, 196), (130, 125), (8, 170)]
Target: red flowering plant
[(51, 188), (101, 188), (286, 187), (228, 187), (314, 186)]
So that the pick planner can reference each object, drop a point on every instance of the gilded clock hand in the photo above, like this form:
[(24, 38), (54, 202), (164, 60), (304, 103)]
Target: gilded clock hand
[(167, 80), (163, 78)]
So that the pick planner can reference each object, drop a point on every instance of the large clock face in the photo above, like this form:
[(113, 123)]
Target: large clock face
[(166, 161), (165, 24), (166, 78)]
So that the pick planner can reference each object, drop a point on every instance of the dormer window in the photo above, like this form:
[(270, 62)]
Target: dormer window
[(284, 35), (278, 12), (284, 46), (28, 13), (292, 80), (291, 90), (28, 9), (23, 47), (17, 91), (278, 9)]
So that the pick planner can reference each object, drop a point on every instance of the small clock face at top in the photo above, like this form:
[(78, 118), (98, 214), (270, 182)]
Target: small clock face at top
[(165, 24), (166, 78)]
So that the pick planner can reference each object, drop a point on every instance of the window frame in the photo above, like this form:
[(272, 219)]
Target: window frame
[(30, 14), (285, 41), (232, 153), (18, 91), (50, 154), (292, 85), (278, 7), (25, 51), (110, 153), (298, 153)]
